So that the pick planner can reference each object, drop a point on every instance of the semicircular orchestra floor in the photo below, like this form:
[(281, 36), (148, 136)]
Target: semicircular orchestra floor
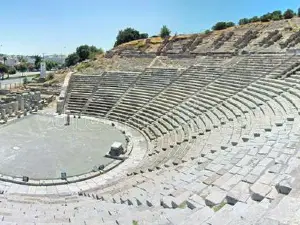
[(40, 146)]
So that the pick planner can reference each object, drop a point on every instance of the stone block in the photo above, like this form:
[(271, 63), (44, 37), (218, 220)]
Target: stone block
[(268, 128), (264, 150), (240, 193), (257, 133), (279, 123), (266, 162), (166, 202), (246, 138), (195, 201), (290, 117), (259, 191), (215, 198), (245, 161), (284, 187), (181, 199)]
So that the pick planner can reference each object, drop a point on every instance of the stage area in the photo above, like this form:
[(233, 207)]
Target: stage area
[(40, 146)]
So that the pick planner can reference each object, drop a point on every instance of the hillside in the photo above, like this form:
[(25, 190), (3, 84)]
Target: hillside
[(269, 37), (182, 51)]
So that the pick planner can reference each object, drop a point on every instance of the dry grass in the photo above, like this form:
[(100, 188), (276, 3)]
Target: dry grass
[(141, 44), (131, 43), (180, 37), (156, 40)]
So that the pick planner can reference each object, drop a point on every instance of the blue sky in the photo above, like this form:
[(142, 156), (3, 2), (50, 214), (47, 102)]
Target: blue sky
[(59, 26)]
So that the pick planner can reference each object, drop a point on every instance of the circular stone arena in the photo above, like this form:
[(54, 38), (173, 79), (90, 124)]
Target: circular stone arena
[(41, 146)]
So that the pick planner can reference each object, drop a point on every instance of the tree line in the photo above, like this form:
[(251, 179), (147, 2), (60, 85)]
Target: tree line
[(81, 54), (24, 66), (273, 16), (85, 52)]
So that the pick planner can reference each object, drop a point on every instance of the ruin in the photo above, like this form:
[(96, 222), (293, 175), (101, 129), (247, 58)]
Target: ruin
[(212, 135)]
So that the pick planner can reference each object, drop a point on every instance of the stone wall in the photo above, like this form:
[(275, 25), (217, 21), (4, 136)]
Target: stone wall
[(63, 94), (18, 104)]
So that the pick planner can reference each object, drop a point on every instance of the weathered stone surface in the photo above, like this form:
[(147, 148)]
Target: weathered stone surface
[(284, 211), (259, 191), (215, 198), (195, 201), (284, 187), (240, 193), (264, 150)]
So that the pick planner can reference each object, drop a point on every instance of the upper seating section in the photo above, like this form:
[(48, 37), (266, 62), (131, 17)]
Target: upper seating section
[(123, 94)]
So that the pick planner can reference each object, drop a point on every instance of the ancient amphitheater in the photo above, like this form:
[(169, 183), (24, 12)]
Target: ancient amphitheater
[(212, 131)]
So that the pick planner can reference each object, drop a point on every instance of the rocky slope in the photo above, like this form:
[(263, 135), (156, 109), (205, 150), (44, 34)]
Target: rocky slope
[(270, 37)]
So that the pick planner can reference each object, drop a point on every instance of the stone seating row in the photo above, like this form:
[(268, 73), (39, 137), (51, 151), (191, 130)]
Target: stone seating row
[(228, 180), (111, 87), (269, 112), (79, 90), (154, 86)]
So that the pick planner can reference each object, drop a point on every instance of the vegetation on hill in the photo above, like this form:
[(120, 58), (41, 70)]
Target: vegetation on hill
[(274, 16), (3, 68), (82, 53), (222, 25), (165, 32), (129, 34), (37, 62)]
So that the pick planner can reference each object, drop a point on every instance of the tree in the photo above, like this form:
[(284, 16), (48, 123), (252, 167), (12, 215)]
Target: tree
[(244, 21), (72, 59), (254, 19), (129, 34), (23, 67), (30, 67), (83, 52), (94, 51), (288, 14), (144, 35), (219, 26), (276, 15), (4, 60), (165, 32), (50, 65), (12, 70), (37, 62), (222, 25), (299, 12), (230, 24), (266, 17), (3, 70)]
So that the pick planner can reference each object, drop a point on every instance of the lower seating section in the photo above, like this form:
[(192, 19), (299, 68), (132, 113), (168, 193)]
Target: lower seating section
[(222, 144), (111, 87), (149, 84), (80, 90)]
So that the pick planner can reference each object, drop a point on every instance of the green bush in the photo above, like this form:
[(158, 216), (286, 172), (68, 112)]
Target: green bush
[(244, 21), (288, 14), (222, 25), (129, 34), (12, 70), (207, 31)]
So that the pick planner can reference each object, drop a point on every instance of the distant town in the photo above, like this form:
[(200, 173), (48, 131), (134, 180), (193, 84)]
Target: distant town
[(13, 60)]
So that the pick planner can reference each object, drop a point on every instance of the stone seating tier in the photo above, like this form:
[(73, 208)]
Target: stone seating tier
[(222, 140)]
